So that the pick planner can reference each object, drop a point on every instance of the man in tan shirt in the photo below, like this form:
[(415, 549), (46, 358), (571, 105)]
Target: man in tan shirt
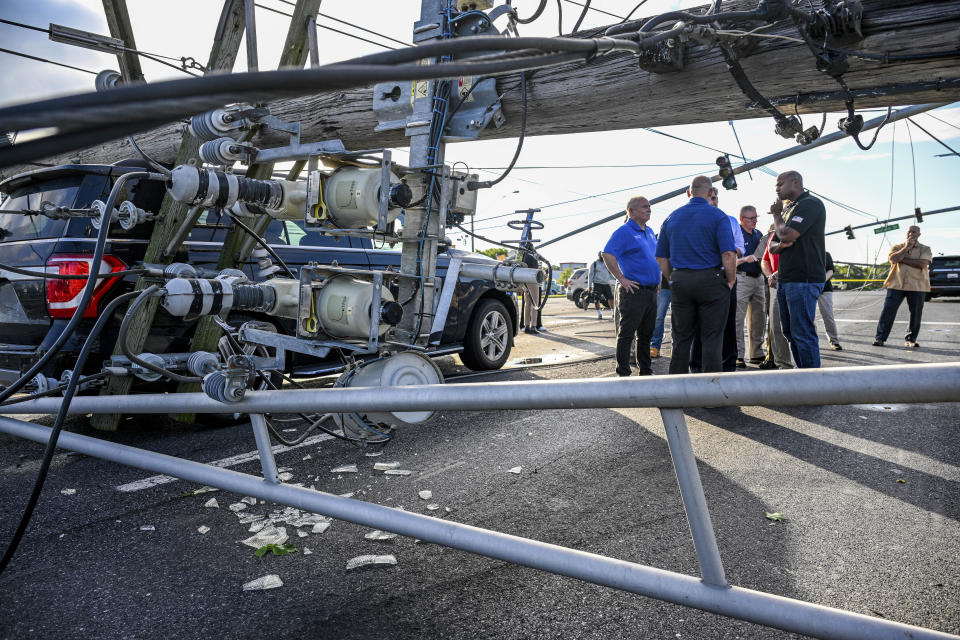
[(909, 278)]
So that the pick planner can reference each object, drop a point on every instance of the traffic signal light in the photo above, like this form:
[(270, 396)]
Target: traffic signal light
[(918, 214), (849, 230), (726, 172)]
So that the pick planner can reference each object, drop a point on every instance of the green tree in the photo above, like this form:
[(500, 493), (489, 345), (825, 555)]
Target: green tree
[(494, 252), (564, 276)]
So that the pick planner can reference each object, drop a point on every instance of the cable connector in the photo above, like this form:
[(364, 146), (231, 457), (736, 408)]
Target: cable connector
[(852, 125)]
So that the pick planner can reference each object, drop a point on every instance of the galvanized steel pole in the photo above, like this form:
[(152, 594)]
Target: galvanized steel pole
[(798, 387), (745, 604)]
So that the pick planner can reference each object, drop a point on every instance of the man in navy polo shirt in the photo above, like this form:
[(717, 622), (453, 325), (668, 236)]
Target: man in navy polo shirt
[(695, 242), (629, 256)]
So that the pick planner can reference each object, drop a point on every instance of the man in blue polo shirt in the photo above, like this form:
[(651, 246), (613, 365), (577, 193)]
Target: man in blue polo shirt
[(629, 256), (695, 242)]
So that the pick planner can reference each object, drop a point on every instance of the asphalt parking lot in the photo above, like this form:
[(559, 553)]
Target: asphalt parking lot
[(868, 494)]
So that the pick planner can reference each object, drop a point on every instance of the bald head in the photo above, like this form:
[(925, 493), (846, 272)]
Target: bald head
[(789, 185), (700, 187)]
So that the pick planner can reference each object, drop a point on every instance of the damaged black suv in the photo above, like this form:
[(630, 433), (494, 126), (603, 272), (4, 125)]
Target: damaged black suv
[(34, 311)]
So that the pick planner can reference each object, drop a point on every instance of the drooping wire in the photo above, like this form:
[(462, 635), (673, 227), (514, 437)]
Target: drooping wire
[(260, 241), (51, 447), (927, 113), (942, 143), (323, 26), (913, 164), (516, 154), (53, 62), (350, 24), (536, 14)]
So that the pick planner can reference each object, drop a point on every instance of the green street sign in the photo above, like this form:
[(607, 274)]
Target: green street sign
[(884, 229)]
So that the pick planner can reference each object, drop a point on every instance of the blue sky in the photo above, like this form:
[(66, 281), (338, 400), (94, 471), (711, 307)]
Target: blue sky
[(879, 182)]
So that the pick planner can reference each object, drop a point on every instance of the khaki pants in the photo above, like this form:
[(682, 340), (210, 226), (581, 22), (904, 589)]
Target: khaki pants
[(825, 304), (778, 348), (531, 295), (750, 301)]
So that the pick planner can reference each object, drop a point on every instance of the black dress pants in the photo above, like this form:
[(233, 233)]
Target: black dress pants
[(891, 304), (729, 353), (638, 315), (699, 296)]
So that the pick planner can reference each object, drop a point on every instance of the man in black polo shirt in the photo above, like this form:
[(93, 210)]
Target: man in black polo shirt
[(799, 240)]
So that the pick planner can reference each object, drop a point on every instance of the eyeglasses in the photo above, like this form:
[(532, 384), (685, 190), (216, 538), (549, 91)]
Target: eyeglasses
[(748, 217)]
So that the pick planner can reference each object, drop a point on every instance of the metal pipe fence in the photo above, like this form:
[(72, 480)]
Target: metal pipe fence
[(851, 385)]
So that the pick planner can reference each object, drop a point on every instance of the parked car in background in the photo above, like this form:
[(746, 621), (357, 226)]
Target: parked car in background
[(33, 311), (577, 286), (944, 276)]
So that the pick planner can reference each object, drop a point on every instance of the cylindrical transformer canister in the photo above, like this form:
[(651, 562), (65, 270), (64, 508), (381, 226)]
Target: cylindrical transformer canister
[(352, 196), (343, 307)]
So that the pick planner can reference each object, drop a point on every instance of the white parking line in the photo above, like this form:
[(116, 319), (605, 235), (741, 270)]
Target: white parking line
[(232, 461)]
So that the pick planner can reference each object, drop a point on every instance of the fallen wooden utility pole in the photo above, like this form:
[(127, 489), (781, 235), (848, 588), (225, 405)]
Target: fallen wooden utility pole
[(223, 53), (613, 93)]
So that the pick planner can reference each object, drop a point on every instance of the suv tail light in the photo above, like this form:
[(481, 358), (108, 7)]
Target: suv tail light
[(63, 296)]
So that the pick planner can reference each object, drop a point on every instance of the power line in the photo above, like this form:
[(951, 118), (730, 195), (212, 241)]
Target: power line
[(59, 64), (601, 166), (155, 57), (943, 121), (948, 147), (592, 8), (323, 26), (355, 26)]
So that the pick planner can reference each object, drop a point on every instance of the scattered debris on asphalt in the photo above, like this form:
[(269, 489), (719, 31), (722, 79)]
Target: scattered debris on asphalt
[(379, 536), (370, 560), (271, 581), (345, 468), (516, 470), (426, 495)]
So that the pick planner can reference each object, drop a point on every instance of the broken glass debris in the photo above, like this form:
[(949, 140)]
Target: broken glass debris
[(271, 581), (320, 527), (301, 533), (307, 551), (212, 502), (249, 500), (380, 535), (247, 518), (267, 535), (369, 560), (515, 470), (237, 506), (397, 472), (147, 527), (374, 454), (286, 475), (384, 466), (203, 528), (345, 468)]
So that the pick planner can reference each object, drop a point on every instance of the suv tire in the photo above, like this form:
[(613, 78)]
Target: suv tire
[(487, 343), (582, 299)]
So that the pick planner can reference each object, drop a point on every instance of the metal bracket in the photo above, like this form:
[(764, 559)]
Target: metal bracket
[(446, 297)]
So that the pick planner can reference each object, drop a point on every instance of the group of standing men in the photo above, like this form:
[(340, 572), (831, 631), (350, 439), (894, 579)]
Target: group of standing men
[(705, 256)]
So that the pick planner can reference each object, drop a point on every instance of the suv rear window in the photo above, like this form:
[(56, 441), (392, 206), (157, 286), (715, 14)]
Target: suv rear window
[(212, 227), (946, 262), (19, 226)]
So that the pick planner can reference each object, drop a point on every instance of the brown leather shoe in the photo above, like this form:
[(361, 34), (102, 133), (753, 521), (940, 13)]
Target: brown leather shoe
[(654, 352)]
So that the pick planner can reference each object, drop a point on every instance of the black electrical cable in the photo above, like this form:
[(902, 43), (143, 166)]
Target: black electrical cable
[(57, 276), (53, 62), (473, 186), (350, 24), (51, 447), (606, 13), (70, 141), (153, 163), (136, 107), (87, 294), (125, 348), (583, 14), (536, 14), (263, 243), (560, 18)]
